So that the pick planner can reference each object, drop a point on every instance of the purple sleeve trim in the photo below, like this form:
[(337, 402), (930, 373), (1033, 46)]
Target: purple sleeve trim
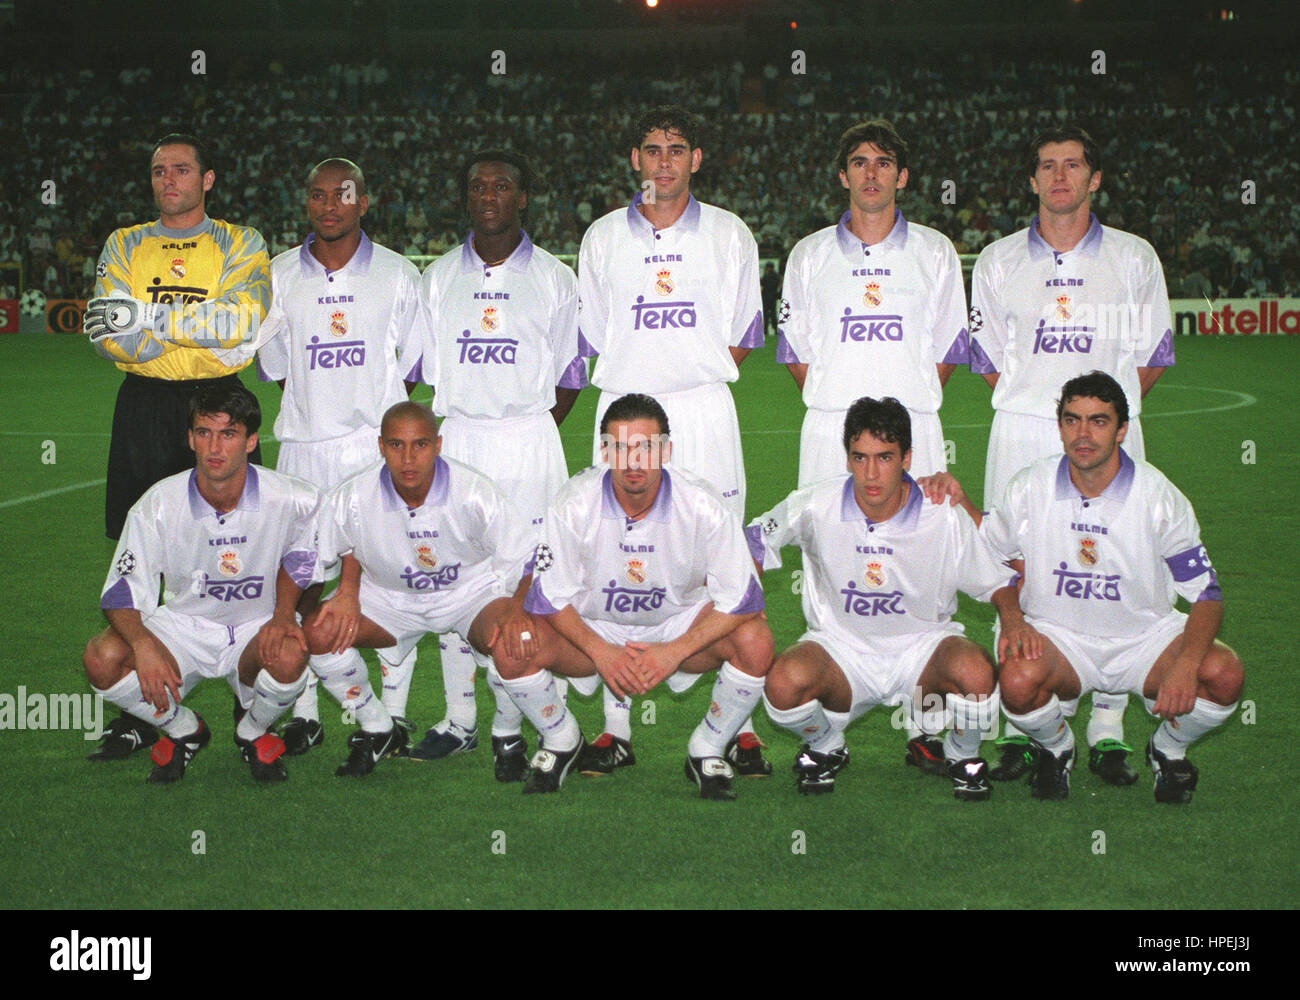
[(1212, 592), (753, 336), (979, 361), (261, 372), (1163, 355), (1015, 579), (784, 352), (575, 376), (752, 601), (117, 596), (535, 602), (959, 352), (1190, 564), (301, 567), (585, 349), (416, 374), (754, 539)]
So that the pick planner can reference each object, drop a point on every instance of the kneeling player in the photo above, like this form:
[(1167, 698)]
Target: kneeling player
[(642, 577), (1107, 540), (427, 545), (235, 545), (884, 568)]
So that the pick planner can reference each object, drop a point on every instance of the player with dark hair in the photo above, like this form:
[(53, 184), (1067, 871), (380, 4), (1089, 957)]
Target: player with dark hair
[(1106, 541), (343, 339), (1052, 301), (670, 301), (235, 546), (503, 358), (176, 305), (882, 571)]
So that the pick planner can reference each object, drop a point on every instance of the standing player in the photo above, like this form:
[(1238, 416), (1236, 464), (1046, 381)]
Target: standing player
[(342, 333), (669, 300), (503, 359), (883, 571), (235, 545), (1106, 542), (873, 305), (642, 576), (177, 305), (427, 545), (1050, 302)]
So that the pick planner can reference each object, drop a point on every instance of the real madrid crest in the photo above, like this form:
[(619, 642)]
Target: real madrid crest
[(339, 323), (177, 270), (871, 294), (1088, 552), (229, 563), (424, 556), (635, 571), (875, 574), (1063, 307), (490, 320), (664, 282)]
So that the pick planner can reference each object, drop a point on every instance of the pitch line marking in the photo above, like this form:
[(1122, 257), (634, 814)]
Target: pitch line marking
[(51, 493)]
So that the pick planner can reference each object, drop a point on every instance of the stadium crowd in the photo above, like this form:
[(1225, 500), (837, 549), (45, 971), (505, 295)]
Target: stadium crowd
[(1174, 168)]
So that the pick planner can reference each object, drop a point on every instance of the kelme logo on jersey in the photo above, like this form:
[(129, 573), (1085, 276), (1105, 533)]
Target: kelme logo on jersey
[(177, 270), (628, 600), (229, 563), (1062, 339), (247, 589), (875, 574), (662, 315), (871, 295), (424, 556), (635, 571), (664, 282), (869, 603), (1088, 552), (339, 323), (418, 579), (491, 319), (860, 328), (344, 354), (486, 350), (1086, 586)]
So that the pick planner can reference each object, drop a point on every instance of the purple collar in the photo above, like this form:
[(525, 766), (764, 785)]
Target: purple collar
[(610, 507), (248, 500), (904, 518), (852, 246), (436, 497), (642, 228), (517, 261), (1117, 489), (1089, 246), (359, 262)]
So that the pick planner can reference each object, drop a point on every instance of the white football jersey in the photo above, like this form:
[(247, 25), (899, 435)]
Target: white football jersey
[(1107, 566), (218, 566), (1040, 317), (342, 340), (873, 320), (431, 553), (500, 338), (688, 549), (870, 578), (661, 307)]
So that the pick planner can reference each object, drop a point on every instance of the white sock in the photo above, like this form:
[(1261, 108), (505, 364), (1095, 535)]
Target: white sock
[(1047, 726), (810, 723), (734, 696), (125, 694), (1008, 729), (1107, 721), (1173, 737), (270, 699), (970, 718), (397, 684), (346, 678), (508, 720), (458, 668), (307, 706), (618, 714), (538, 698)]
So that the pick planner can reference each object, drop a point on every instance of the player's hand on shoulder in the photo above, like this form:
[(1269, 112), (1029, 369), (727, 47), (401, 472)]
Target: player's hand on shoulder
[(942, 486)]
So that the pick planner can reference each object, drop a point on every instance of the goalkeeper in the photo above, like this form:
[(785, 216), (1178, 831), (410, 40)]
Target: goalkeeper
[(177, 306)]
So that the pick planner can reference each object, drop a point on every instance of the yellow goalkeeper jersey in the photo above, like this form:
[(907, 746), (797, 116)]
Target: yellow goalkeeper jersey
[(216, 272)]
